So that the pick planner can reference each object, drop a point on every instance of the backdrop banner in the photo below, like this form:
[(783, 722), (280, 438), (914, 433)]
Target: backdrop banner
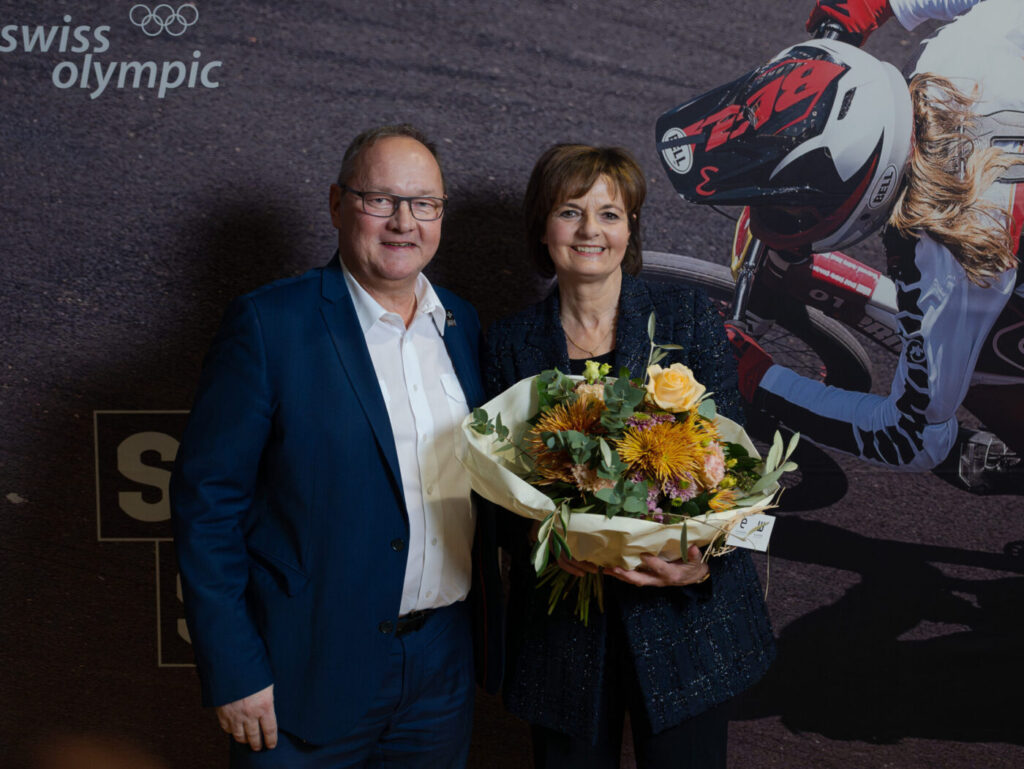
[(157, 160)]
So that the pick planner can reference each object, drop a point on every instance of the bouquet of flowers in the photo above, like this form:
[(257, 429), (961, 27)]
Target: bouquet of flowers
[(613, 468)]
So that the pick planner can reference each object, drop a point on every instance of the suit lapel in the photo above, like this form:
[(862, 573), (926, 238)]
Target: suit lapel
[(340, 316), (465, 363), (548, 338), (632, 345)]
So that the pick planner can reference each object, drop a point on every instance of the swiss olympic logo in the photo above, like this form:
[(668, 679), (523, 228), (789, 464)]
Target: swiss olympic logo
[(164, 18)]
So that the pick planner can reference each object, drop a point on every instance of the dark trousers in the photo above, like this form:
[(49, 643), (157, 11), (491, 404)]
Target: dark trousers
[(697, 743), (421, 718)]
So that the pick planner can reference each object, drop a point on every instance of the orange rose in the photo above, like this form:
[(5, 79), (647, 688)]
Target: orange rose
[(674, 388)]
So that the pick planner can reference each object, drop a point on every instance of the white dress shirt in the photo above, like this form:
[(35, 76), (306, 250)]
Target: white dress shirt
[(426, 405)]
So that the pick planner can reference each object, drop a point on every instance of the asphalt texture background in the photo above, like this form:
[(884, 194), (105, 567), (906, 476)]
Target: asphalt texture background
[(128, 221)]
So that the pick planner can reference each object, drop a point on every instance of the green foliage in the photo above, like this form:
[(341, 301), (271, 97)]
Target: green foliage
[(554, 387), (486, 426), (621, 399)]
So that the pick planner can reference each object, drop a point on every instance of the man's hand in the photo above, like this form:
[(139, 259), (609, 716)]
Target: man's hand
[(654, 572), (251, 719), (858, 17), (752, 362)]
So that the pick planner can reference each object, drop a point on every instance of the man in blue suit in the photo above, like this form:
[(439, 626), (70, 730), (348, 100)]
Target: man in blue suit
[(323, 522)]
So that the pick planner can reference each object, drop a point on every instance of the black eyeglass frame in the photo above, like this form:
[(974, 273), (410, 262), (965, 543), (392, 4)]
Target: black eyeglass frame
[(396, 202)]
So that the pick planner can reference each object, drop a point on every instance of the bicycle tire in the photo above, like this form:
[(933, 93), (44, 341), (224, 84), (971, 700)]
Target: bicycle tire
[(805, 340), (812, 344)]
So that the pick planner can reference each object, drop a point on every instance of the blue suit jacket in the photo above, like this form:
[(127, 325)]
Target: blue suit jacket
[(290, 522)]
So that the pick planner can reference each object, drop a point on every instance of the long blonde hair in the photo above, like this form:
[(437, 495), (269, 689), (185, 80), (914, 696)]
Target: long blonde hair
[(946, 179)]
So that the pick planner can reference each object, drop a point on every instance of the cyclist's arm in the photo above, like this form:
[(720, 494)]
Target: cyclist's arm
[(944, 321), (911, 13)]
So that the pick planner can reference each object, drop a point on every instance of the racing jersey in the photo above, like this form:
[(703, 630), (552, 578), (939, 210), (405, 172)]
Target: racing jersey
[(943, 318)]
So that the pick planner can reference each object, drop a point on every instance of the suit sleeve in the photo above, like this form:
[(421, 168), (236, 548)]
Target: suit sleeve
[(212, 491)]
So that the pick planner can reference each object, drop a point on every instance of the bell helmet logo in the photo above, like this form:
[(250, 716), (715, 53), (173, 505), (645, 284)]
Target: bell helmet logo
[(679, 157), (884, 187), (164, 18)]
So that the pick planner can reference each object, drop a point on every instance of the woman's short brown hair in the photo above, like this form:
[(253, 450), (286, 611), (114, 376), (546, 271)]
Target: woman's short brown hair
[(567, 171)]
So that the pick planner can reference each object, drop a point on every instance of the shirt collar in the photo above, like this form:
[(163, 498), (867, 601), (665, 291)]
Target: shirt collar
[(369, 310)]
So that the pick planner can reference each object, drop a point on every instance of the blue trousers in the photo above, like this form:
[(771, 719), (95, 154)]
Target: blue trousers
[(421, 718)]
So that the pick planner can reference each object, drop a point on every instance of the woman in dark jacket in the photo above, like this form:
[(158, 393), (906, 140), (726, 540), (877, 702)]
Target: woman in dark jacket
[(676, 641)]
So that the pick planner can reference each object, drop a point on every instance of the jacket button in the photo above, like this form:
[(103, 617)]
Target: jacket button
[(398, 545), (385, 627)]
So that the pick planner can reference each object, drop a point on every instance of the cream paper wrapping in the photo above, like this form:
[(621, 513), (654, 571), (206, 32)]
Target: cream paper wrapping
[(617, 541)]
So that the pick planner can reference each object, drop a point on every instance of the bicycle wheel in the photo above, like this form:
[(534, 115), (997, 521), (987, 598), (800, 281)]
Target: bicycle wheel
[(800, 338)]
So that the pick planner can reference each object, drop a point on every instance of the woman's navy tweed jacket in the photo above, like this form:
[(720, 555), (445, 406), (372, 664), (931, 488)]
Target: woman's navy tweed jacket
[(692, 647)]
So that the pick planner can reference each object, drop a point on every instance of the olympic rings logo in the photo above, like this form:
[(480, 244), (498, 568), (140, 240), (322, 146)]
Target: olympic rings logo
[(164, 18)]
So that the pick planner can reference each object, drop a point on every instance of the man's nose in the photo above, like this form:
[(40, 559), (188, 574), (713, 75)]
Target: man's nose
[(402, 219)]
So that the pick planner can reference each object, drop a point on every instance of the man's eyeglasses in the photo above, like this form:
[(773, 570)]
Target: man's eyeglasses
[(385, 204)]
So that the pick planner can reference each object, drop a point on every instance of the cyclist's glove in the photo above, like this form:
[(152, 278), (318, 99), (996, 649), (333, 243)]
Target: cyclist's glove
[(752, 362), (858, 17)]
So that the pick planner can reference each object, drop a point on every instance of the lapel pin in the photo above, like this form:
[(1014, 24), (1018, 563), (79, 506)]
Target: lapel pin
[(449, 318)]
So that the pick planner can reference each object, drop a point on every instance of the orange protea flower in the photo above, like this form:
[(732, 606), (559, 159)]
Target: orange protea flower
[(582, 415), (663, 450)]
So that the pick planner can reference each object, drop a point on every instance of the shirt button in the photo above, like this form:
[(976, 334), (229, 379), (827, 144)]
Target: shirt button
[(433, 541), (385, 627), (415, 388), (398, 545), (430, 489), (429, 593)]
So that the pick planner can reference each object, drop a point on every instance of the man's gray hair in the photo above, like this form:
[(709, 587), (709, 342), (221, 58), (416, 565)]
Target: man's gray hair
[(369, 137)]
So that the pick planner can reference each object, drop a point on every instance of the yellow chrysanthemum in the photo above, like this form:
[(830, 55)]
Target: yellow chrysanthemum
[(667, 449), (583, 415), (664, 450)]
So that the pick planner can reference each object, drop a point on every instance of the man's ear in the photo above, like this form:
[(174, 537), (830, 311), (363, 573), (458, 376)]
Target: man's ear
[(335, 205)]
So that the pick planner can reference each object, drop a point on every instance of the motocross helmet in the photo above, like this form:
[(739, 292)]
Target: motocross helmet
[(815, 141)]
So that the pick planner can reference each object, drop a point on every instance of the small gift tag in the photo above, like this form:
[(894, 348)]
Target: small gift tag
[(752, 532)]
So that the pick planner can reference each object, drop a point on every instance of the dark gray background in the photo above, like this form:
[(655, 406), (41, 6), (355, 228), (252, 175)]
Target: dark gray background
[(128, 221)]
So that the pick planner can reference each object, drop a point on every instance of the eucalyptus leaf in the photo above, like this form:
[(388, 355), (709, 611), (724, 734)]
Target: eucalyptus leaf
[(707, 409), (634, 505), (650, 327)]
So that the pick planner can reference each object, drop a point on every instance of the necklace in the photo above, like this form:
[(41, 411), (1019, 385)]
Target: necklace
[(580, 347)]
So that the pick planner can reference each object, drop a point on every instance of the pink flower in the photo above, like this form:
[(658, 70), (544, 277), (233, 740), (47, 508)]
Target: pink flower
[(594, 391), (714, 466), (587, 479), (683, 489)]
